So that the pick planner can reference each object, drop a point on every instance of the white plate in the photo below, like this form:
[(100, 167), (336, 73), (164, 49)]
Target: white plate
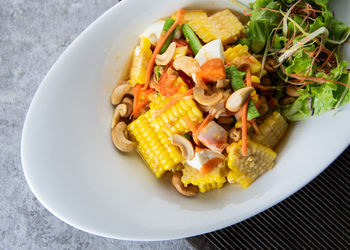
[(76, 173)]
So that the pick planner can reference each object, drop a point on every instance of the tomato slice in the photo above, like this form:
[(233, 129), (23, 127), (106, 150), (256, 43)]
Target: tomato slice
[(140, 98), (167, 84)]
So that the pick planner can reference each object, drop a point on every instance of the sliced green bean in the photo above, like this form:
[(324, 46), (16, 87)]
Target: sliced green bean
[(191, 38)]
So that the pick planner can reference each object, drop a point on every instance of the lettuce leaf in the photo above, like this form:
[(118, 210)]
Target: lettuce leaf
[(319, 98), (261, 23), (301, 62)]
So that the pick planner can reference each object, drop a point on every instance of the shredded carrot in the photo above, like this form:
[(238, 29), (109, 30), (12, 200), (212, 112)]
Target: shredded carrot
[(313, 10), (274, 35), (138, 103), (190, 124), (269, 10), (328, 58), (247, 13), (167, 86), (159, 46), (262, 87), (209, 165), (174, 100), (245, 113), (255, 126), (258, 104), (244, 127), (316, 79), (248, 77), (205, 122)]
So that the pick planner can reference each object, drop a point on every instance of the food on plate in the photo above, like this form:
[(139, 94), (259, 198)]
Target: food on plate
[(208, 98)]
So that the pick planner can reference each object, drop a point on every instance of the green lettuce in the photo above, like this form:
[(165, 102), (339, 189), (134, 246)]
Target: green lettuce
[(319, 98), (301, 62), (261, 23)]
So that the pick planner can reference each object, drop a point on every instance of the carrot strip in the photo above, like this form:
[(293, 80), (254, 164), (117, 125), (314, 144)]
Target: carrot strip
[(174, 100), (274, 35), (190, 124), (244, 127), (328, 58), (313, 10), (245, 113), (248, 77), (247, 13), (262, 87), (269, 10), (317, 79), (139, 104), (255, 126), (205, 122), (313, 60), (159, 46)]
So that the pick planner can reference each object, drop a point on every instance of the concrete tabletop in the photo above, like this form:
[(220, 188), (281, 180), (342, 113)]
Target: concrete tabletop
[(32, 36)]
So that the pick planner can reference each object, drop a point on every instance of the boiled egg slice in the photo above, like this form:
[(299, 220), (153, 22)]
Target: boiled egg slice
[(153, 31)]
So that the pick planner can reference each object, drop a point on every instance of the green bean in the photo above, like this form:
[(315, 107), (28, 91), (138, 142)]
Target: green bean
[(191, 38)]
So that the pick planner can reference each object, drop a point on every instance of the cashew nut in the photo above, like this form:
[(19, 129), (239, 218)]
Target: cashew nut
[(166, 57), (204, 108), (235, 134), (190, 190), (208, 100), (222, 83), (238, 98), (119, 92), (185, 146), (119, 111), (287, 100), (129, 104), (119, 139), (186, 64), (292, 91)]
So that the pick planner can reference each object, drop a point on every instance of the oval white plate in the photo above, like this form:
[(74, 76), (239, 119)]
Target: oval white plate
[(76, 173)]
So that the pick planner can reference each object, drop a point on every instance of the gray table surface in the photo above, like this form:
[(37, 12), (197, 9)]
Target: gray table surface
[(32, 36)]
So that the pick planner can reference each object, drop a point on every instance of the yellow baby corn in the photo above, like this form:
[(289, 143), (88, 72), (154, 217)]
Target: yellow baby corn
[(152, 133), (141, 58), (226, 25), (245, 169), (233, 56), (180, 51), (215, 179), (223, 25), (155, 147), (236, 51), (192, 15), (272, 130), (172, 121), (256, 79), (203, 29)]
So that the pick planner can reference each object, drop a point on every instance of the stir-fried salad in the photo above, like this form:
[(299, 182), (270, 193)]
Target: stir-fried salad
[(198, 104)]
